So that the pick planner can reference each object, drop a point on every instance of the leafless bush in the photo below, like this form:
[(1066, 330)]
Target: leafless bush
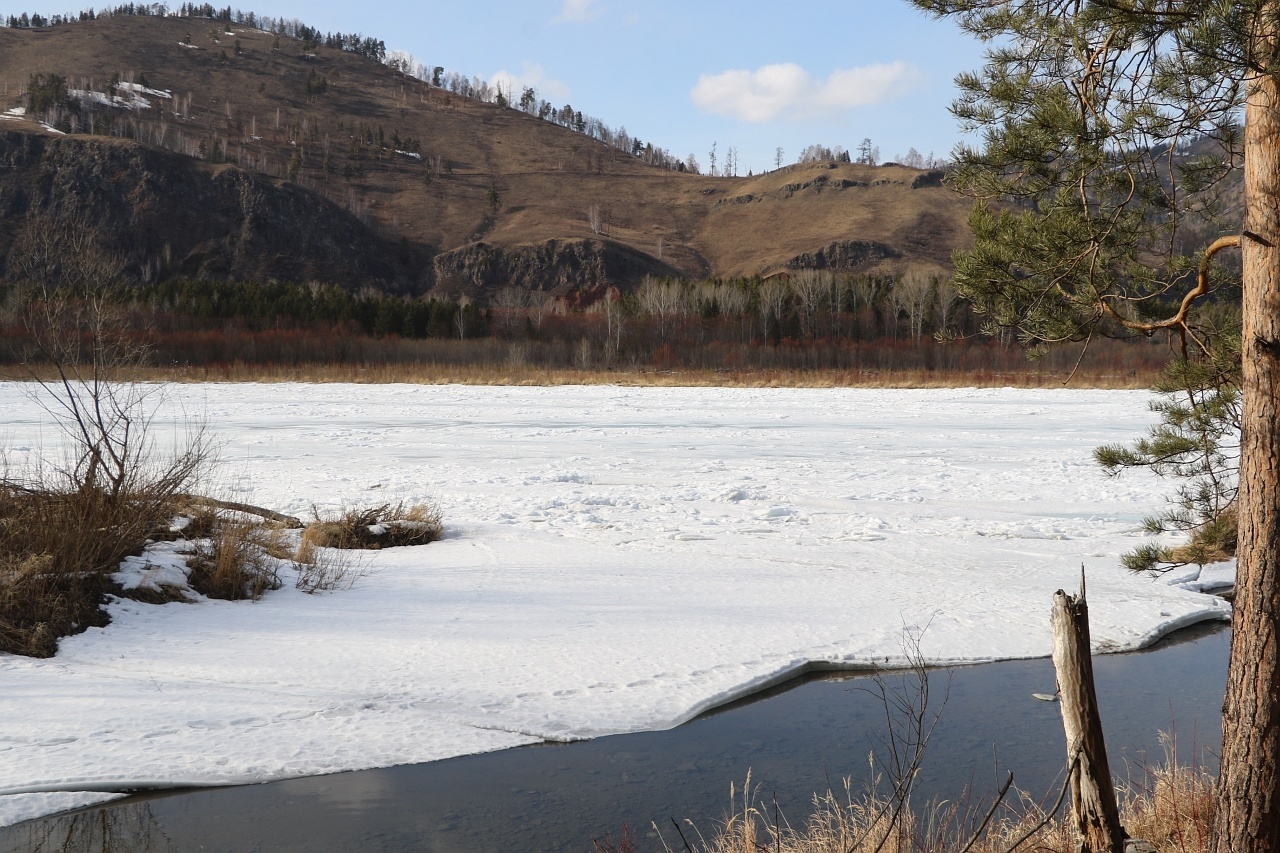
[(325, 569), (67, 522), (518, 355), (63, 534)]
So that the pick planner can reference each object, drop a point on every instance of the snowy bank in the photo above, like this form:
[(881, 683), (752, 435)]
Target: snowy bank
[(615, 559)]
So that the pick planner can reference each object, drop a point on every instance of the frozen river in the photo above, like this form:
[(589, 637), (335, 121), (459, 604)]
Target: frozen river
[(615, 559)]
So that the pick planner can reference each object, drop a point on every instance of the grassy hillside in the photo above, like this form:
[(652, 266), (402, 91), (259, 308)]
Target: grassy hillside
[(332, 122)]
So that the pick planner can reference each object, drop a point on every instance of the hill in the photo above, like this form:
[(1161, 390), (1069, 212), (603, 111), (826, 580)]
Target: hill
[(222, 150)]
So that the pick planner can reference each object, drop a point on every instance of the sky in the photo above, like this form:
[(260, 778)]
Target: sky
[(750, 75), (746, 74)]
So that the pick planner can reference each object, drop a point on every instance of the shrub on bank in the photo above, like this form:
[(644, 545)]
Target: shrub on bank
[(385, 526), (59, 544), (1171, 807)]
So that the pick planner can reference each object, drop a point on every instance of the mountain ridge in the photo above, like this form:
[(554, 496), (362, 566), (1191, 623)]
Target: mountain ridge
[(438, 186)]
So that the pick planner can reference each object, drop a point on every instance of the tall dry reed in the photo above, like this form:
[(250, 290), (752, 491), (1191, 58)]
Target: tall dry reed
[(1171, 806)]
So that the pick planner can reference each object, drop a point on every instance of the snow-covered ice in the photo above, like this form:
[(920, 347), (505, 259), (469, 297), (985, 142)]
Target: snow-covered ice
[(615, 559), (1214, 577)]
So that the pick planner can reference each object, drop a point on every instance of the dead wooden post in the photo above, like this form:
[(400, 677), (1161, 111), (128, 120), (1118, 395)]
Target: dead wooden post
[(1093, 799)]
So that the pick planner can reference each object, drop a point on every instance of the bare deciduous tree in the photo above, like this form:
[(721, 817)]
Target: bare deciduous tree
[(911, 295), (867, 292), (811, 288), (460, 318), (541, 303), (663, 300), (835, 297), (774, 294), (732, 300), (509, 305), (948, 298), (612, 307), (595, 219)]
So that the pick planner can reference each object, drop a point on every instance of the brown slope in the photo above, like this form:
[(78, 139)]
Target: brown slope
[(547, 178), (165, 214)]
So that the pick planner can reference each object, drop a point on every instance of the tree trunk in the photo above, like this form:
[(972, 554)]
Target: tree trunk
[(1093, 797), (288, 521), (1248, 812)]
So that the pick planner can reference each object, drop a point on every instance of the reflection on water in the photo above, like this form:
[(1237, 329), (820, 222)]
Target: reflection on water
[(559, 797), (128, 828)]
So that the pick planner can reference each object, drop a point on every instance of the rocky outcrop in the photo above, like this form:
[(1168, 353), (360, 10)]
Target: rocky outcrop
[(169, 215), (556, 266), (843, 255), (931, 178), (820, 183)]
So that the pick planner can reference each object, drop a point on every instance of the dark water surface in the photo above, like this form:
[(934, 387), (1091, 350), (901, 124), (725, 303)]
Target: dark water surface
[(796, 740)]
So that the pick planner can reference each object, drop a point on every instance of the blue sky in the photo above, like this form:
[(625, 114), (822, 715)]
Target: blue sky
[(749, 74)]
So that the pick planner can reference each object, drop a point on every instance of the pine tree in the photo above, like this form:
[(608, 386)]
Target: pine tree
[(1107, 127)]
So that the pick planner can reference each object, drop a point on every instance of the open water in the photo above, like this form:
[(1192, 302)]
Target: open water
[(797, 739)]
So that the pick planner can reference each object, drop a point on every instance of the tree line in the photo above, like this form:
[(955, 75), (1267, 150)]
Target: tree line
[(807, 308), (357, 43)]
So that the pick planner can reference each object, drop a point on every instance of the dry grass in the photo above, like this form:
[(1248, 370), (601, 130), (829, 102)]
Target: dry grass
[(1213, 542), (238, 561), (385, 526), (325, 569), (58, 547), (531, 375), (237, 557), (198, 522), (1172, 808)]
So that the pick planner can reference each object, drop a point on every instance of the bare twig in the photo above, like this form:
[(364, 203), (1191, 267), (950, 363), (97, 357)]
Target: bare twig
[(1004, 789), (1062, 795)]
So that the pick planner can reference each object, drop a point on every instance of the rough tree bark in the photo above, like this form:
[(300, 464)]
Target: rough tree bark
[(1093, 797), (1248, 813)]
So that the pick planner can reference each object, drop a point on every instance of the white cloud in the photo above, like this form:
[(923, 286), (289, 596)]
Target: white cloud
[(788, 91), (532, 74), (579, 10)]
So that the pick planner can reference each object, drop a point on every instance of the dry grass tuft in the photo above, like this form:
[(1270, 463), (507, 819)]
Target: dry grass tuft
[(1172, 808), (385, 526), (235, 563), (505, 373)]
